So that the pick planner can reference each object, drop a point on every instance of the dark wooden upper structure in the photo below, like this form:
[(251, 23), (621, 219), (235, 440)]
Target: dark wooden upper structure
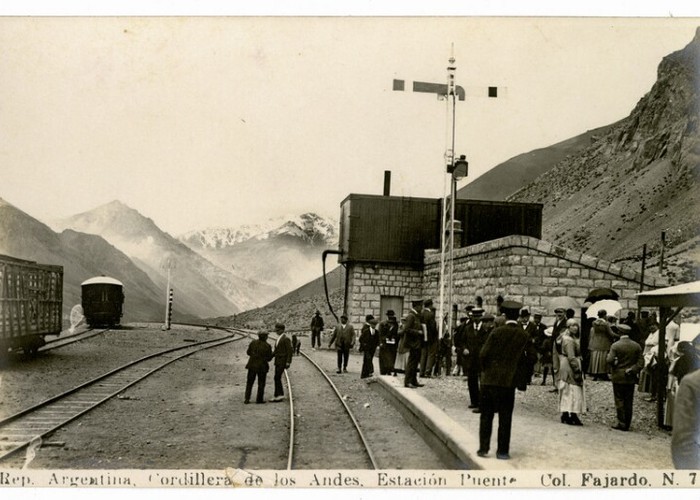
[(397, 230)]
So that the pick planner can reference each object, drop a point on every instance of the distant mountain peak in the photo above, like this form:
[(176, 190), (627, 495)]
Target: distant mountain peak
[(308, 227)]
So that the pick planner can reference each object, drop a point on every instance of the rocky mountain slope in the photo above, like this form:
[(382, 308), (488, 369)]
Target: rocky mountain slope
[(207, 289), (508, 177), (636, 180), (283, 252), (82, 256)]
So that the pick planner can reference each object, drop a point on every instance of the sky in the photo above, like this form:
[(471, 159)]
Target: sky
[(219, 121)]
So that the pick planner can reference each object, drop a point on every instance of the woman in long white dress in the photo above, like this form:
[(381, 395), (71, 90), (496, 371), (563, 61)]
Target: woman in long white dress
[(570, 374)]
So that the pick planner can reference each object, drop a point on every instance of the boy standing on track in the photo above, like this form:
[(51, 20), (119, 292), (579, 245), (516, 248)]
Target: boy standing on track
[(283, 359), (260, 354)]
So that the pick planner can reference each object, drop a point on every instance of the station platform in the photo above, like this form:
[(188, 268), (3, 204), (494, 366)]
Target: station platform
[(538, 442)]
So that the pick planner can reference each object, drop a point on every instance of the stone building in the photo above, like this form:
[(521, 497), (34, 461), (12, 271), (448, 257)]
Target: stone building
[(516, 267)]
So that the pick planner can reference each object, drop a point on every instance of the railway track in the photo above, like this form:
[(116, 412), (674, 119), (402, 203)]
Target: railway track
[(350, 438), (27, 428), (71, 339)]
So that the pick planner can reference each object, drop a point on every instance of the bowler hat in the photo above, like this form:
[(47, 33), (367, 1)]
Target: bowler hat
[(511, 304), (279, 326)]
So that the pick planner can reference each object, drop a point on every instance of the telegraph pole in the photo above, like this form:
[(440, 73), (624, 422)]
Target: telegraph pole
[(168, 264), (451, 93)]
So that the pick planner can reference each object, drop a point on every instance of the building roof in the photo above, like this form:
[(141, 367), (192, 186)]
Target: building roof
[(102, 280), (685, 295)]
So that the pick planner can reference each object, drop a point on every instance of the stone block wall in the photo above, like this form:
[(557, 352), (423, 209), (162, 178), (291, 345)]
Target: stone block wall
[(532, 271), (368, 282)]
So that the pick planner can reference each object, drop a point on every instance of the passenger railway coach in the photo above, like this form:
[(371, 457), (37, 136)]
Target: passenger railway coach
[(31, 301), (102, 300)]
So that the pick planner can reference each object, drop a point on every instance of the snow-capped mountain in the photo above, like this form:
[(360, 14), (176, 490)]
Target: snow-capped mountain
[(283, 252), (309, 227)]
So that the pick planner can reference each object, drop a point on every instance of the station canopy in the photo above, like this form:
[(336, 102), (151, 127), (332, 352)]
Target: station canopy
[(685, 295)]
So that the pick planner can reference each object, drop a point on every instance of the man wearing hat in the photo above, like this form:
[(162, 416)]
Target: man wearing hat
[(500, 357), (283, 359), (388, 343), (460, 343), (429, 352), (344, 338), (626, 359), (316, 329), (474, 340), (259, 356), (557, 328), (413, 335), (369, 340)]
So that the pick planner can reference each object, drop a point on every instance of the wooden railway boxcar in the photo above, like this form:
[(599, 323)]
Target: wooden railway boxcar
[(397, 230), (31, 301), (102, 301)]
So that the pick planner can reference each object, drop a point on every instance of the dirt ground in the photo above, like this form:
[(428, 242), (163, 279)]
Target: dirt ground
[(191, 414)]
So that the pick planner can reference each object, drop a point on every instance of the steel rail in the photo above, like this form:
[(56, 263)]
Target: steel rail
[(193, 348), (345, 405), (290, 458), (347, 408), (71, 339)]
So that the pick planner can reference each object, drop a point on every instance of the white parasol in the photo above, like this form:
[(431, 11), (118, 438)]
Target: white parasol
[(609, 306)]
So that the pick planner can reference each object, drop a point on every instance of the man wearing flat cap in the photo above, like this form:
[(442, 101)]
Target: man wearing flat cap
[(283, 359), (500, 359), (626, 359), (413, 335)]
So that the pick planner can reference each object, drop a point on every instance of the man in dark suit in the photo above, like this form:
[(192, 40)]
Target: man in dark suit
[(626, 359), (369, 340), (388, 343), (413, 336), (260, 354), (283, 359), (429, 354), (500, 358), (316, 329), (460, 343), (344, 338), (475, 338)]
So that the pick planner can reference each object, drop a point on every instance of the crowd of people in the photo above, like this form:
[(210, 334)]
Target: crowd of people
[(501, 353)]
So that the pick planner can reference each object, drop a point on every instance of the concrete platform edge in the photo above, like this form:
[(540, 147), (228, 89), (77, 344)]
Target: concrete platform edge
[(438, 429)]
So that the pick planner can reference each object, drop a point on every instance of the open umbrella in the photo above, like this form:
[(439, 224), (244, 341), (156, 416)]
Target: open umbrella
[(609, 306), (602, 294), (564, 302)]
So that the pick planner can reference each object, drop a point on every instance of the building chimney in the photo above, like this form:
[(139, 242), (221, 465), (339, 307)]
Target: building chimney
[(387, 182)]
